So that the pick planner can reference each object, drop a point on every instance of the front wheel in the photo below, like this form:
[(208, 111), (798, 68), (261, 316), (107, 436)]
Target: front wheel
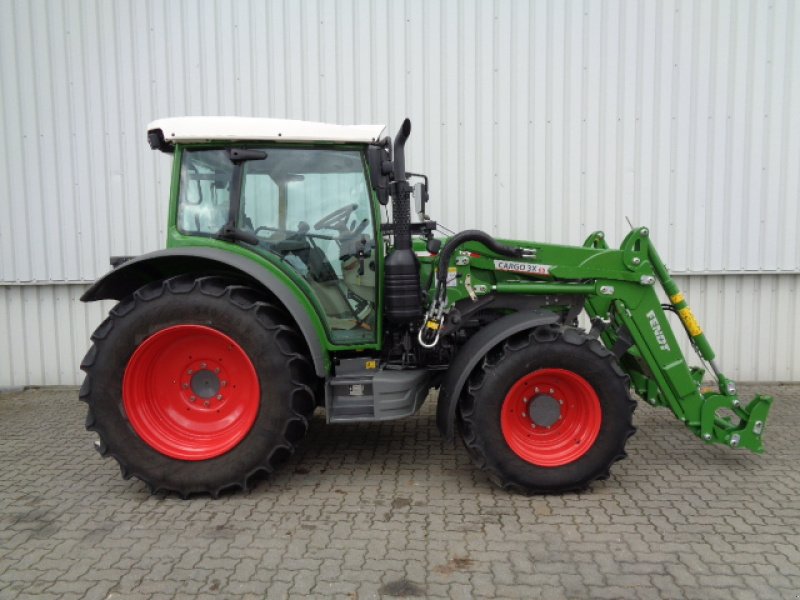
[(548, 411), (195, 385)]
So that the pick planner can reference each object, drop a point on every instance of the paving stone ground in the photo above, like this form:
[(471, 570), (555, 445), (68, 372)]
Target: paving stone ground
[(389, 510)]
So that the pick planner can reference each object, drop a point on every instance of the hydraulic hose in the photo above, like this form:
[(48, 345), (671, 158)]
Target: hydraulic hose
[(432, 324), (471, 235)]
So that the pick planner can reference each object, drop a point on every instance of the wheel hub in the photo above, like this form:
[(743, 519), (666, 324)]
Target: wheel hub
[(205, 384), (544, 410)]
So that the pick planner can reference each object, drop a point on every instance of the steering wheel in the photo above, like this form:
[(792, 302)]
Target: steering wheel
[(337, 219)]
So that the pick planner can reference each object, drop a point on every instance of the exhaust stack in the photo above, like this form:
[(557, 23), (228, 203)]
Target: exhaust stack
[(403, 293)]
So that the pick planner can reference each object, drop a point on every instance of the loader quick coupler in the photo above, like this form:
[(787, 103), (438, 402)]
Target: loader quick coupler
[(747, 433)]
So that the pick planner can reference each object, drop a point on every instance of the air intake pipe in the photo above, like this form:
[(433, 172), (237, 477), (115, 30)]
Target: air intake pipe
[(401, 205), (402, 291)]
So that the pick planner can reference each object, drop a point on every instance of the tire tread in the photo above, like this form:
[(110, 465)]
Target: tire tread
[(265, 314), (466, 409)]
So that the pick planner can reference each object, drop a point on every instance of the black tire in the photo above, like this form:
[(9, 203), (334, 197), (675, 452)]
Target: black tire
[(545, 347), (265, 332)]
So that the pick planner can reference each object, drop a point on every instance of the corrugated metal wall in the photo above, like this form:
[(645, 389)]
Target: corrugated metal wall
[(541, 120)]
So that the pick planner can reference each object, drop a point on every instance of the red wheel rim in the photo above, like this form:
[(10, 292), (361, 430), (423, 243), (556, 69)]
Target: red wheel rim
[(551, 417), (191, 392)]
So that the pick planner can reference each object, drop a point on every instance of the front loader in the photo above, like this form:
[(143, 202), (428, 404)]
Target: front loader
[(283, 290)]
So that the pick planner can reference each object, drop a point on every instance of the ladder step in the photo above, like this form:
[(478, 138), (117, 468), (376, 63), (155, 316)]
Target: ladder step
[(377, 396)]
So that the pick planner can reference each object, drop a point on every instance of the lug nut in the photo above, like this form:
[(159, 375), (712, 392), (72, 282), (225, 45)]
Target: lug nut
[(219, 396), (216, 370), (192, 398), (190, 371), (203, 365), (206, 403), (223, 383), (185, 385)]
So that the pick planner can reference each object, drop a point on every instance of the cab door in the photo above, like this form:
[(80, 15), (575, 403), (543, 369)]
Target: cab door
[(313, 207)]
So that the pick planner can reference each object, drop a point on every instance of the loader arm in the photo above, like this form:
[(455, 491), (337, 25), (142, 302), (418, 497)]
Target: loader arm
[(638, 329)]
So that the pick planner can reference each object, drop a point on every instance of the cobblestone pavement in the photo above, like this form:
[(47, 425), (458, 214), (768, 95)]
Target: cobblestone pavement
[(389, 510)]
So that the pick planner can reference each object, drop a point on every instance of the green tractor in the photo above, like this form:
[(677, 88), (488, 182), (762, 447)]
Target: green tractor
[(282, 289)]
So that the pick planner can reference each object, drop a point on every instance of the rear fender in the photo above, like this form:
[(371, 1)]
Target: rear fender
[(470, 355), (139, 271)]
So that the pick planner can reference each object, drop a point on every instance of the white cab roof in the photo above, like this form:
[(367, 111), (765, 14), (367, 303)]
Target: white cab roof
[(197, 129)]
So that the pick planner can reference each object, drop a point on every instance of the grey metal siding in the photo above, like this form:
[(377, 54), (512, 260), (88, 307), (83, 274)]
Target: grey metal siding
[(535, 120)]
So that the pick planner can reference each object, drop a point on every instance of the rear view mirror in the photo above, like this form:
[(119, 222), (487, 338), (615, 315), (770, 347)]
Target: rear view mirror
[(420, 198), (380, 166), (240, 155)]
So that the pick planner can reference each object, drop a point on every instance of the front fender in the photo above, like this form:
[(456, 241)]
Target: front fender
[(133, 274), (473, 352)]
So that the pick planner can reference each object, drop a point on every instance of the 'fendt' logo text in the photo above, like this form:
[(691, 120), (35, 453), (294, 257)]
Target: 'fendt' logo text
[(656, 327)]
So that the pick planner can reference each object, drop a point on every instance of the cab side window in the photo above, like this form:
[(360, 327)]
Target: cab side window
[(204, 199)]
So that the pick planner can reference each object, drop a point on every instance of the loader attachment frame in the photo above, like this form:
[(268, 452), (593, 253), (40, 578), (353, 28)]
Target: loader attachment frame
[(632, 322)]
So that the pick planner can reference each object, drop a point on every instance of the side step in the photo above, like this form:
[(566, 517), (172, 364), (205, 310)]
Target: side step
[(358, 393)]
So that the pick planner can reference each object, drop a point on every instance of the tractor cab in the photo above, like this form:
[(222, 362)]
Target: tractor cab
[(309, 205)]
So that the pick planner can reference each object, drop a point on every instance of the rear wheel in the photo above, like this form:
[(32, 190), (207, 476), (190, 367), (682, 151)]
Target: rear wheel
[(196, 385), (547, 411)]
